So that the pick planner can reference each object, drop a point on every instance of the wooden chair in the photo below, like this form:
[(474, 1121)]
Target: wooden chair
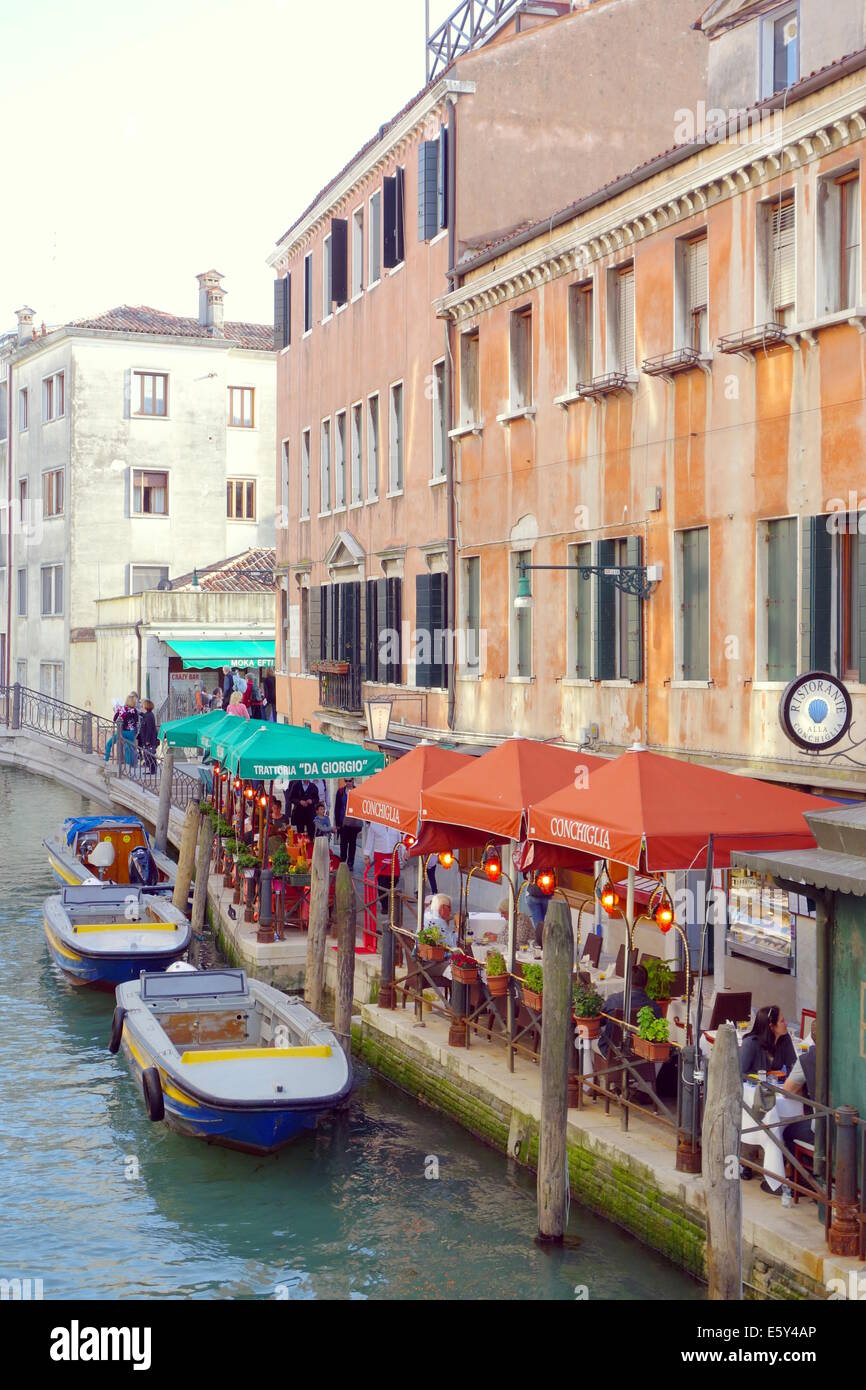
[(592, 950), (730, 1006), (807, 1013), (619, 968)]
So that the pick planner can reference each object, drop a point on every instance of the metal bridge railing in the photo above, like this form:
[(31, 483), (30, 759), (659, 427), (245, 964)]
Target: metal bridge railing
[(468, 24)]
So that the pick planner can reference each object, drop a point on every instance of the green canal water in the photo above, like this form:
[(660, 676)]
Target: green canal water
[(99, 1203)]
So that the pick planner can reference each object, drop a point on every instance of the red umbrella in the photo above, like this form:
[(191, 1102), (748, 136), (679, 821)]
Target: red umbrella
[(657, 813), (393, 796)]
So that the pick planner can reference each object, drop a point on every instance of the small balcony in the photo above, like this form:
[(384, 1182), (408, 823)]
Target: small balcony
[(752, 340), (670, 364), (339, 686)]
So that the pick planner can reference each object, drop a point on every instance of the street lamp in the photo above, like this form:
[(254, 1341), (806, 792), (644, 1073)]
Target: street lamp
[(378, 719)]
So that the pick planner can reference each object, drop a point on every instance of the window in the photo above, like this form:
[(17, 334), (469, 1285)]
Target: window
[(838, 242), (580, 330), (283, 312), (149, 493), (375, 239), (621, 357), (373, 449), (521, 622), (393, 198), (833, 582), (23, 509), (4, 409), (52, 493), (305, 628), (469, 379), (22, 593), (340, 461), (777, 572), (305, 476), (433, 186), (150, 393), (327, 287), (308, 292), (21, 672), (357, 252), (144, 578), (693, 589), (432, 650), (383, 651), (580, 614), (521, 359), (325, 469), (283, 520), (395, 452), (471, 614), (618, 616), (780, 51), (780, 269), (54, 397), (241, 499), (440, 422), (52, 591), (51, 679), (356, 484), (692, 295), (23, 409), (242, 407)]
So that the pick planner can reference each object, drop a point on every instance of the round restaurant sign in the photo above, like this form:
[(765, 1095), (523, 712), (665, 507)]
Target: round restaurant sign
[(815, 711)]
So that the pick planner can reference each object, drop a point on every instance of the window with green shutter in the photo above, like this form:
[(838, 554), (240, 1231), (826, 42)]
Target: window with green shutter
[(695, 603), (781, 538), (582, 555)]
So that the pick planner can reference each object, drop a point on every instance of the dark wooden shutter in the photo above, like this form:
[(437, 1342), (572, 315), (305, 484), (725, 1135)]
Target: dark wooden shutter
[(817, 573), (634, 614), (442, 209), (314, 627), (389, 222), (424, 629), (400, 230), (372, 631), (394, 624), (308, 293), (281, 323), (428, 161), (339, 260), (604, 643)]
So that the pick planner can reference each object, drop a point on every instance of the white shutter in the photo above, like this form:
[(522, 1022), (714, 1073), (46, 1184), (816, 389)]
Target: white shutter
[(625, 321), (784, 266), (697, 275)]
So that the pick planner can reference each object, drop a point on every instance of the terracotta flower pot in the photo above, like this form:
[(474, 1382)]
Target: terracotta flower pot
[(531, 999), (464, 974), (651, 1051), (432, 953), (592, 1025), (663, 1005), (498, 986)]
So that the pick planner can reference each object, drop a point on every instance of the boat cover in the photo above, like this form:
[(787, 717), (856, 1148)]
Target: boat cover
[(76, 824)]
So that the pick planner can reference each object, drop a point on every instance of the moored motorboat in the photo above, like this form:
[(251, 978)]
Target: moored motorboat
[(227, 1059), (108, 849), (101, 934)]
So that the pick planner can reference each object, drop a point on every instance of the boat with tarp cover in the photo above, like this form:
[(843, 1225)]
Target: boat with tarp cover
[(108, 849), (228, 1059)]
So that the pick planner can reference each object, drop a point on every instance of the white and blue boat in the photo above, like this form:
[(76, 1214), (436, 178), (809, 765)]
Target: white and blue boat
[(108, 849), (100, 934), (227, 1059)]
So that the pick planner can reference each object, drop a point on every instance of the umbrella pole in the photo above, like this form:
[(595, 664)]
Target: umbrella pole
[(626, 1009), (512, 950), (422, 862), (267, 822)]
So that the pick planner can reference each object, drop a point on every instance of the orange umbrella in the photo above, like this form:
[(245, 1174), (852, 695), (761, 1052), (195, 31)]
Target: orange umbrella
[(393, 796), (490, 799), (654, 812)]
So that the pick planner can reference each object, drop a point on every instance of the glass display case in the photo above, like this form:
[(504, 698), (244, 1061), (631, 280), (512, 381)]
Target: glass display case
[(761, 925)]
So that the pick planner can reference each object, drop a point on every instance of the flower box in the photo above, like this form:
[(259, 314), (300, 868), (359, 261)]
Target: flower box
[(430, 953), (465, 974), (497, 985), (531, 999), (651, 1051)]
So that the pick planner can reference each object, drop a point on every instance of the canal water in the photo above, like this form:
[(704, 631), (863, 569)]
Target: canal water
[(100, 1203)]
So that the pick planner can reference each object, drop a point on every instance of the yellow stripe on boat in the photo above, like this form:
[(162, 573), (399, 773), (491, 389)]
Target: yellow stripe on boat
[(144, 1062), (67, 877), (58, 945), (125, 926), (257, 1054)]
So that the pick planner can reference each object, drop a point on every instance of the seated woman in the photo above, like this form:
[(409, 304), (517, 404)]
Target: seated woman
[(438, 915), (768, 1046)]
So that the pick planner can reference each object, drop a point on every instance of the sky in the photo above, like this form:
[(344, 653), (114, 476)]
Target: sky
[(143, 144)]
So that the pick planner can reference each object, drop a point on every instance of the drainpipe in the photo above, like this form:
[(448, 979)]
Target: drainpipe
[(449, 407), (9, 524)]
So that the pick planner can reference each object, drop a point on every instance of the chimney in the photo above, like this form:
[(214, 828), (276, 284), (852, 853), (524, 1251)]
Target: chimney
[(25, 324), (210, 302)]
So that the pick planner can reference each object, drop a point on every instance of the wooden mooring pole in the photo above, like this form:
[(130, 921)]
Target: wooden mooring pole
[(344, 900), (166, 776), (186, 856), (202, 873), (723, 1113), (317, 936), (556, 1038)]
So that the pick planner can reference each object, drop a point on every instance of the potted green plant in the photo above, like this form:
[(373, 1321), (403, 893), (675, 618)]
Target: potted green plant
[(281, 864), (660, 977), (588, 1007), (651, 1041), (430, 944), (533, 986), (464, 969), (230, 849), (497, 974)]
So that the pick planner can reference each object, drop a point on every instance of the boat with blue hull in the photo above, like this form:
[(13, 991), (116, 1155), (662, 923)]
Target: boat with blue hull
[(227, 1059), (108, 849), (100, 934)]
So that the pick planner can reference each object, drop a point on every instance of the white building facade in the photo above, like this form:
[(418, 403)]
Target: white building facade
[(140, 445)]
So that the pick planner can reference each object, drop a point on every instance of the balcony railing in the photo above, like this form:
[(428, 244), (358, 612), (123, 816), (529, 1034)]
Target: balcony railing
[(340, 687)]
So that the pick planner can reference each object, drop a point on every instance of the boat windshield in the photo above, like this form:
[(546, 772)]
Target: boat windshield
[(193, 984)]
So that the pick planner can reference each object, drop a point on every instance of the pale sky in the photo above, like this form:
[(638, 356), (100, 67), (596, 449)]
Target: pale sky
[(142, 144)]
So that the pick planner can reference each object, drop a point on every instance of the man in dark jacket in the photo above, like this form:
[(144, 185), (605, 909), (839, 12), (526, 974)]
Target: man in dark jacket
[(616, 1002), (303, 800), (348, 826), (228, 686), (269, 689), (147, 736)]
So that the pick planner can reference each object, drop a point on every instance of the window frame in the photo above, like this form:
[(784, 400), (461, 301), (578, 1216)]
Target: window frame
[(132, 570), (244, 391), (374, 454), (681, 679), (23, 401), (374, 242), (581, 333), (518, 618), (306, 473), (617, 360), (52, 611), (767, 48), (246, 483), (159, 516), (467, 376), (21, 592), (396, 440), (54, 397), (356, 496), (520, 355), (470, 668), (341, 478), (51, 475), (325, 435), (140, 375), (359, 262), (441, 443), (308, 293), (327, 278)]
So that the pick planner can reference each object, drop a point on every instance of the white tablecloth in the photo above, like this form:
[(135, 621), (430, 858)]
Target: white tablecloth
[(787, 1109)]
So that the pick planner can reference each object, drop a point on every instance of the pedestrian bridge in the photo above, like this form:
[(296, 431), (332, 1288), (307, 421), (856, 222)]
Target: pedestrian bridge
[(50, 738)]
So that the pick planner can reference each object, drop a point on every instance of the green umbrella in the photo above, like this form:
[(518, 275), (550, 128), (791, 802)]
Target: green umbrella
[(218, 735), (186, 733), (281, 750)]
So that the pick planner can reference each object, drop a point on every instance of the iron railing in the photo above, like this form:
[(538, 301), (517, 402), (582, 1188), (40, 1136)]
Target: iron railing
[(468, 25), (341, 690)]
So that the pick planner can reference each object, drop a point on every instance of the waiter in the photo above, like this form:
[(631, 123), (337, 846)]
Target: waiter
[(379, 845)]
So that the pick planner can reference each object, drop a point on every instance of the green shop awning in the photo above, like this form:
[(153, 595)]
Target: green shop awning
[(208, 656), (187, 733), (281, 750)]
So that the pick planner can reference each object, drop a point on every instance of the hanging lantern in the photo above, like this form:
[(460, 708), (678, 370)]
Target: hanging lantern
[(546, 881), (263, 801), (409, 841), (237, 784), (662, 909), (224, 777), (609, 898), (446, 859), (493, 865), (249, 794)]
